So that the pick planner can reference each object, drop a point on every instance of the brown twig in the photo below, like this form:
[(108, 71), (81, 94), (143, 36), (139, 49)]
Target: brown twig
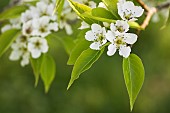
[(149, 15), (143, 5), (151, 11)]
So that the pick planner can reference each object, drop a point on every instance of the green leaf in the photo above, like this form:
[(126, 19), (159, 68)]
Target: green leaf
[(97, 19), (135, 25), (36, 66), (13, 12), (83, 63), (102, 12), (59, 8), (80, 9), (134, 76), (6, 39), (112, 7), (48, 70), (66, 41), (77, 50)]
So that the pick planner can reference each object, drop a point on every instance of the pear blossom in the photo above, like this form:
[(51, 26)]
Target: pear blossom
[(13, 24), (20, 51), (97, 36), (120, 42), (37, 45), (45, 9), (128, 11), (67, 16), (119, 27), (28, 28)]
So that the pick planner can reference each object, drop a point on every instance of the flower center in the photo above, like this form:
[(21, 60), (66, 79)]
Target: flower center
[(119, 41), (37, 44), (120, 29), (100, 38)]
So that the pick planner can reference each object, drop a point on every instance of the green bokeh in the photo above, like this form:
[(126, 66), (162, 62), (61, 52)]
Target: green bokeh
[(99, 90)]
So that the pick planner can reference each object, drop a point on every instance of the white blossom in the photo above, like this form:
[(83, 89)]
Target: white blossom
[(97, 36), (37, 45), (45, 9), (20, 51), (28, 28), (119, 27), (120, 42), (66, 17), (128, 11)]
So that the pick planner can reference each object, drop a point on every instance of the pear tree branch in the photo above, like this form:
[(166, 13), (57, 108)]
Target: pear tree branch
[(150, 11)]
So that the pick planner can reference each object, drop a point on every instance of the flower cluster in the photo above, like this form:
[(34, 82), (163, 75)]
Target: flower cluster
[(36, 24), (117, 36)]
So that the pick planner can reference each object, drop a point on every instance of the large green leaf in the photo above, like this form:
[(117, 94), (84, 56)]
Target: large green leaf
[(112, 7), (134, 76), (134, 25), (36, 66), (66, 41), (77, 50), (6, 39), (83, 63), (13, 12), (48, 70)]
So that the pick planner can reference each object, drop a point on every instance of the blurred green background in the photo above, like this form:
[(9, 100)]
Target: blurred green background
[(99, 90)]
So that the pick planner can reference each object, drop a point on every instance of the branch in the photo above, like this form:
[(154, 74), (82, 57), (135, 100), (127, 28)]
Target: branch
[(144, 6), (151, 11), (163, 6)]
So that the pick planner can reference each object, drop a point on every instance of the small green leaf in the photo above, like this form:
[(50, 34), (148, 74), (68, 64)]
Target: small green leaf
[(80, 9), (134, 76), (13, 12), (6, 39), (135, 25), (84, 62), (48, 70), (112, 7), (36, 66), (97, 19), (77, 50), (102, 12), (59, 8)]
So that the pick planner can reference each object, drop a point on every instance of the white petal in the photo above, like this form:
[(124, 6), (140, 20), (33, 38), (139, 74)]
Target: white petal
[(124, 51), (96, 28), (110, 36), (95, 46), (84, 25), (68, 28), (138, 11), (90, 36), (130, 38), (35, 53), (123, 24), (112, 27), (101, 4), (92, 4), (111, 49), (5, 28), (53, 26)]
